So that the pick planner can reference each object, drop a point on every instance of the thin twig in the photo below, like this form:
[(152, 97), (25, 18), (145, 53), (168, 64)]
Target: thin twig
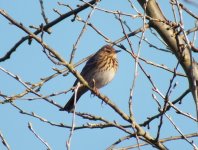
[(3, 140), (45, 28), (28, 88), (180, 132), (43, 12), (119, 141), (166, 100), (68, 142), (179, 99), (37, 136), (81, 33)]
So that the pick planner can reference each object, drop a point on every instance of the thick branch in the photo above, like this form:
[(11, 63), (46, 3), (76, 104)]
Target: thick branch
[(178, 45)]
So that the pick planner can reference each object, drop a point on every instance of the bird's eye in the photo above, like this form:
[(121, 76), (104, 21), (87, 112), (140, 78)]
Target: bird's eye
[(108, 51)]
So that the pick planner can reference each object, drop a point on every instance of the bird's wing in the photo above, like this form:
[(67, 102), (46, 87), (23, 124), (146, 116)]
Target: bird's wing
[(92, 62)]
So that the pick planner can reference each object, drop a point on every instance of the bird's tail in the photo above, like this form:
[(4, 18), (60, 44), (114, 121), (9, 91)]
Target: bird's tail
[(69, 107)]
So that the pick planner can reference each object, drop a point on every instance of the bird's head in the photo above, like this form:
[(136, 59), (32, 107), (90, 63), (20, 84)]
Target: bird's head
[(109, 51)]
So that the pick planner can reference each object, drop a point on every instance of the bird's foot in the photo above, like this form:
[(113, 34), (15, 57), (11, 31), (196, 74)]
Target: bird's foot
[(96, 91)]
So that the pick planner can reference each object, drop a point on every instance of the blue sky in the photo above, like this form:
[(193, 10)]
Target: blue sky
[(31, 64)]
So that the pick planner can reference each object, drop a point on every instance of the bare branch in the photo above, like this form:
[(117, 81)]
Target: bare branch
[(37, 136), (45, 28), (3, 140), (165, 140)]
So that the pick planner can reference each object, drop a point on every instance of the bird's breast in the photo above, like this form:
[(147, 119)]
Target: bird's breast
[(104, 77)]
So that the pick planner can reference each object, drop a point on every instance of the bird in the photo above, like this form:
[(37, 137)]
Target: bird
[(99, 70)]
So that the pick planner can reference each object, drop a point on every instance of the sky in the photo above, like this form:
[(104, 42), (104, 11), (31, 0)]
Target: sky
[(31, 64)]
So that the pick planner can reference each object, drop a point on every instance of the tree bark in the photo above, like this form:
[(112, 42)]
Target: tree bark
[(176, 42)]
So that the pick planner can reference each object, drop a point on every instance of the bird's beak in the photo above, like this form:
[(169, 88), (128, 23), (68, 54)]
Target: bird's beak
[(117, 51)]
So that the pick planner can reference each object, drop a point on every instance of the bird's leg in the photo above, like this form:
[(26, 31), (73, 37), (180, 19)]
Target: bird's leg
[(94, 88)]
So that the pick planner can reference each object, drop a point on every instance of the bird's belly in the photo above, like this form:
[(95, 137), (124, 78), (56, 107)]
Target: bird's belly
[(104, 77)]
